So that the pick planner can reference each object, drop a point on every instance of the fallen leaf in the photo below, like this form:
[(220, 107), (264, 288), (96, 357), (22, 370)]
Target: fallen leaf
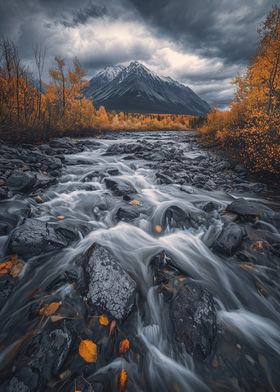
[(247, 266), (56, 317), (112, 327), (66, 374), (88, 351), (50, 309), (13, 266), (124, 346), (135, 202), (259, 245), (261, 289), (158, 229), (103, 320), (38, 199), (122, 381), (60, 217)]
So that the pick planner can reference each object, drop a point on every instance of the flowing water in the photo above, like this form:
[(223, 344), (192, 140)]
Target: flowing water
[(246, 351)]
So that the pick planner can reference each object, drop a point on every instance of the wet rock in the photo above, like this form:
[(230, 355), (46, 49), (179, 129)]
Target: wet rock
[(211, 206), (249, 209), (21, 181), (3, 193), (230, 239), (164, 179), (34, 237), (11, 212), (16, 385), (119, 187), (110, 288), (46, 353), (194, 319), (127, 213), (7, 284)]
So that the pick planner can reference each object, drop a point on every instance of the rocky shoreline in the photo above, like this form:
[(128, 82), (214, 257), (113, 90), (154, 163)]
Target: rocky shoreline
[(40, 352)]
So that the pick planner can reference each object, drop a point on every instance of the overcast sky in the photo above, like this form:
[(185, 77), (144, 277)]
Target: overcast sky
[(201, 43)]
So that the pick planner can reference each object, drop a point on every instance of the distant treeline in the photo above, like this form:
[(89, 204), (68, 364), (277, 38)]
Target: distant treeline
[(250, 130), (31, 108)]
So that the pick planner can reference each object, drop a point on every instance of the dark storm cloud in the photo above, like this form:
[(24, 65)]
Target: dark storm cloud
[(202, 43), (220, 28), (82, 15)]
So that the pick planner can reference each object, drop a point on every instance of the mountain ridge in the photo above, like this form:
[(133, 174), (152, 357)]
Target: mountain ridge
[(137, 89)]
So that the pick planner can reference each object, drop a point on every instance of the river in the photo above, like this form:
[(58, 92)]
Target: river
[(174, 243)]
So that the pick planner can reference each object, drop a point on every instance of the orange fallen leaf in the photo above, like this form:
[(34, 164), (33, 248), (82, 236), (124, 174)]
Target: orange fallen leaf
[(56, 317), (158, 229), (50, 309), (103, 320), (12, 267), (259, 245), (124, 346), (248, 266), (122, 380), (60, 217), (39, 199), (135, 202), (88, 351), (112, 327)]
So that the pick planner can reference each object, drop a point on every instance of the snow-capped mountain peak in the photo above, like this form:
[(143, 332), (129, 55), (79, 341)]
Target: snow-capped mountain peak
[(136, 88)]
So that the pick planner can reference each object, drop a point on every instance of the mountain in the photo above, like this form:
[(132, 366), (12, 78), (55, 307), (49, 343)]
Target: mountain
[(137, 89)]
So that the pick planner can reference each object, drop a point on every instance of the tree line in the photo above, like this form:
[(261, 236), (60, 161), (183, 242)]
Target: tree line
[(31, 106), (250, 129)]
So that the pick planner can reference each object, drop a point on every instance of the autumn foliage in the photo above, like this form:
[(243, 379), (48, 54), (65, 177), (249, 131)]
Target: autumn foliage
[(250, 130), (28, 104)]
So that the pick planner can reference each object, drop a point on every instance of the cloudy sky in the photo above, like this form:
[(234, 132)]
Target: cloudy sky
[(201, 43)]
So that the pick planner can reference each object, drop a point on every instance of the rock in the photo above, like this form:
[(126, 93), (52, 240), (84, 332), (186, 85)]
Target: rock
[(3, 193), (7, 284), (252, 210), (16, 385), (163, 179), (34, 237), (21, 181), (193, 317), (46, 352), (119, 187), (127, 213), (230, 239), (110, 289), (11, 212)]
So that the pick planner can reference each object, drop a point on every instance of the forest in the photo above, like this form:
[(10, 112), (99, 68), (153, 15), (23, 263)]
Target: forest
[(31, 108), (250, 130)]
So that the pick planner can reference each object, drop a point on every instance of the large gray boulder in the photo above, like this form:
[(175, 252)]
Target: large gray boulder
[(193, 317), (229, 239), (110, 289), (34, 237), (21, 181)]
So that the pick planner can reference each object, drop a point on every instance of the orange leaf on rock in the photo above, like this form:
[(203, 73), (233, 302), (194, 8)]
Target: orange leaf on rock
[(38, 199), (12, 267), (135, 202), (124, 346), (158, 229), (60, 217), (50, 309), (88, 351), (122, 381), (103, 320)]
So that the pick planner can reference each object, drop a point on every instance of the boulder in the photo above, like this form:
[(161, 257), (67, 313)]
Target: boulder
[(229, 239), (127, 213), (193, 317), (34, 237), (46, 353), (21, 181), (110, 289), (119, 187)]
